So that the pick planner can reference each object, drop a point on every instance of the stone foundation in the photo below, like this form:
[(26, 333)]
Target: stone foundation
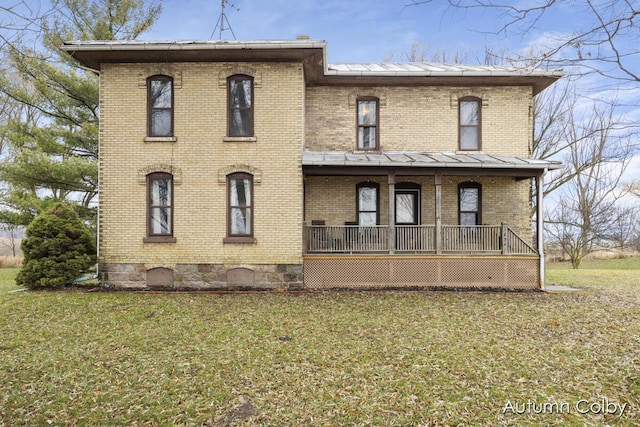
[(201, 276)]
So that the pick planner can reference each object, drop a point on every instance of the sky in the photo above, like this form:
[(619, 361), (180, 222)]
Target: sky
[(355, 31)]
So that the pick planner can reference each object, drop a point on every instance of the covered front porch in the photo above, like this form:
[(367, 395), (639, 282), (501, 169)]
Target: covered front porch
[(415, 239), (419, 220)]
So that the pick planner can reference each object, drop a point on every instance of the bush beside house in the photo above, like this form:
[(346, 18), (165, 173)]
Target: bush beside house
[(57, 249)]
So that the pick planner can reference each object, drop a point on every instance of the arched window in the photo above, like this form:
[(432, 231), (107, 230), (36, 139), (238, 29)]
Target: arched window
[(470, 203), (368, 203), (160, 106), (159, 205), (240, 205), (469, 118), (240, 105), (367, 117)]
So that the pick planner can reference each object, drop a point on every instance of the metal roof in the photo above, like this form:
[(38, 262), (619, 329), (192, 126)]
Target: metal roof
[(407, 159), (313, 54), (435, 69)]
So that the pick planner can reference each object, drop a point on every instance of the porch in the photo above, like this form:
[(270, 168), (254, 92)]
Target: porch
[(418, 257), (422, 220), (415, 239)]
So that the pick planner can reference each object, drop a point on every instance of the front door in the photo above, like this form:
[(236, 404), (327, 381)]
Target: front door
[(407, 207)]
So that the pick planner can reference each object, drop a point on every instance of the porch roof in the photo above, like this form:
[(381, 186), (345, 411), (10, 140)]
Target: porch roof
[(424, 160)]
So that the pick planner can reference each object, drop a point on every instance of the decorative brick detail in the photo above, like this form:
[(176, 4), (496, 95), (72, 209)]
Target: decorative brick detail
[(457, 94), (374, 92), (240, 69), (223, 172), (160, 69), (160, 167)]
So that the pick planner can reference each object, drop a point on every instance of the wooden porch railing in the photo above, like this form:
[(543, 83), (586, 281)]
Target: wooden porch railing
[(479, 239)]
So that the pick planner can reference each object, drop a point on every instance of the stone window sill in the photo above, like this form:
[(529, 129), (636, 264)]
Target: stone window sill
[(250, 240), (160, 139), (159, 239), (240, 139)]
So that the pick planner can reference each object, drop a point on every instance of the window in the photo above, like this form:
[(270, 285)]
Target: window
[(240, 98), (469, 117), (160, 106), (368, 124), (240, 205), (159, 207), (470, 201), (368, 212)]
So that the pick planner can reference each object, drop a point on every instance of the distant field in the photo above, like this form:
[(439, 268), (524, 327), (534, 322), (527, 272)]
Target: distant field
[(340, 359)]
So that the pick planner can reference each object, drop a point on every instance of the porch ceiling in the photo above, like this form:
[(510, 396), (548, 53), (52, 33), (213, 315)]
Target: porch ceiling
[(325, 162)]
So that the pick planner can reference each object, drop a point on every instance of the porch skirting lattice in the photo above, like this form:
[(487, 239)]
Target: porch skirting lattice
[(421, 271)]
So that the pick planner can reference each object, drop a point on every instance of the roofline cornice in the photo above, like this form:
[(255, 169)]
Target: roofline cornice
[(313, 55)]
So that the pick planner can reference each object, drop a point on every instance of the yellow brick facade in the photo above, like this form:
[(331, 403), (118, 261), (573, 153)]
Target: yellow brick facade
[(199, 158), (288, 118), (420, 118)]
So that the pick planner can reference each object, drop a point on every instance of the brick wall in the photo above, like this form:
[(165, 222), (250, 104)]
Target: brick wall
[(199, 159), (420, 118)]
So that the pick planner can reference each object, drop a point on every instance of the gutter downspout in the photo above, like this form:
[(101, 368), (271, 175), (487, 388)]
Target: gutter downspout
[(540, 225)]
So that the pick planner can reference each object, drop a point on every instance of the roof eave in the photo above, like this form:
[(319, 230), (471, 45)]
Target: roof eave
[(95, 53)]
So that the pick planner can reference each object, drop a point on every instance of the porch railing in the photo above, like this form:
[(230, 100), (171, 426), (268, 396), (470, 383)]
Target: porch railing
[(484, 239)]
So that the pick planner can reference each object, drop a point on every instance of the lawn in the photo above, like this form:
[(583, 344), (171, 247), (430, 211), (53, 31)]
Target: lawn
[(348, 358)]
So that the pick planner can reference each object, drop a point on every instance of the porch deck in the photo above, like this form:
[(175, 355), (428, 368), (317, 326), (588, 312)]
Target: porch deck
[(415, 239)]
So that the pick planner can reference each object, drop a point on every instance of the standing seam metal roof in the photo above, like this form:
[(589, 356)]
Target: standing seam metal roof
[(423, 159)]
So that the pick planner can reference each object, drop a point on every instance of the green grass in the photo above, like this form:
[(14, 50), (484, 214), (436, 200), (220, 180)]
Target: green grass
[(378, 358), (7, 279)]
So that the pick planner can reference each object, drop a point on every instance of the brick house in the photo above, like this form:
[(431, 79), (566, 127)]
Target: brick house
[(256, 164)]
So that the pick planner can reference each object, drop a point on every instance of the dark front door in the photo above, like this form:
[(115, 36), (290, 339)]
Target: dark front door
[(407, 207)]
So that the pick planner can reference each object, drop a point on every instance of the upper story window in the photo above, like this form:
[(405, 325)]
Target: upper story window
[(240, 205), (240, 104), (368, 203), (160, 106), (469, 203), (469, 123), (368, 124), (159, 207)]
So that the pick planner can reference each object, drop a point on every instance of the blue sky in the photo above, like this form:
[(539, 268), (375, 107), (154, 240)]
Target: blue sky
[(356, 31)]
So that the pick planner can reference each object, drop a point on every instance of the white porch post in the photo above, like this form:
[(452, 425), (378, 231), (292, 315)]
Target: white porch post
[(438, 184), (391, 229), (540, 225)]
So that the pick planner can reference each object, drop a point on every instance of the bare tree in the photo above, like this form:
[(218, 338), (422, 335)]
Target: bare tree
[(634, 188), (624, 226), (11, 237), (566, 121), (583, 216), (606, 43)]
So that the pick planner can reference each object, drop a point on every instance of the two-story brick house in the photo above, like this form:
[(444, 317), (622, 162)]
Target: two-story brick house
[(255, 164)]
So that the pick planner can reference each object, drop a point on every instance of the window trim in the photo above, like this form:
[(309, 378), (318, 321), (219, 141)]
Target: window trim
[(376, 187), (478, 127), (240, 238), (150, 236), (478, 186), (151, 137), (240, 77), (376, 125)]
